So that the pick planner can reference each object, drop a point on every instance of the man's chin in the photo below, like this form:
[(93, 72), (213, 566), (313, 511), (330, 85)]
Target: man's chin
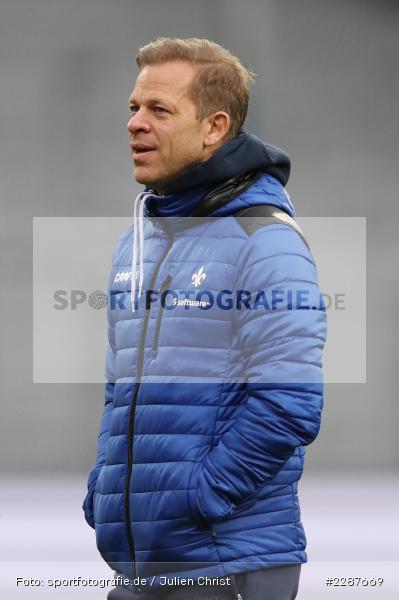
[(142, 177), (145, 177)]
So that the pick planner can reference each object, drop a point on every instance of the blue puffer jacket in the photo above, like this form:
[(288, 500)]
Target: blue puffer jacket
[(208, 406)]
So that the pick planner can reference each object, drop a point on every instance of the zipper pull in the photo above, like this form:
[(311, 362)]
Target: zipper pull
[(164, 288)]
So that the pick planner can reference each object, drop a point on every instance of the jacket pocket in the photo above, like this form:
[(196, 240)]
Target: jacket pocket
[(192, 503), (219, 506), (250, 500), (88, 505), (162, 294), (246, 504)]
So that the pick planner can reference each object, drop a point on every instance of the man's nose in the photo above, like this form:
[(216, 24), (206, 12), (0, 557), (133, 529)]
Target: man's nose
[(138, 122)]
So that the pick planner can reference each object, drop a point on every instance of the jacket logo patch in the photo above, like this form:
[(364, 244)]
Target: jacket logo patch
[(198, 277), (124, 276)]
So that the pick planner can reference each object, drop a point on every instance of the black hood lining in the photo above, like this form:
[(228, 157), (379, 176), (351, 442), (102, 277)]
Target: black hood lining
[(225, 192)]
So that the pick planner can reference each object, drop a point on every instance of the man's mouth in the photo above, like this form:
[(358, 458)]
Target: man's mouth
[(141, 149)]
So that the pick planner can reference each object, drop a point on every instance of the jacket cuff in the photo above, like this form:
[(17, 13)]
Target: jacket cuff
[(211, 505), (204, 504)]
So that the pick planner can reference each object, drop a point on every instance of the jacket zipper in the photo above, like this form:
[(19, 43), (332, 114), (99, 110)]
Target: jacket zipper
[(163, 288), (140, 362), (237, 593)]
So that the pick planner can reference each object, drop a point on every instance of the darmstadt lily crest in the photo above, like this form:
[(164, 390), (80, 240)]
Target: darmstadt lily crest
[(199, 277)]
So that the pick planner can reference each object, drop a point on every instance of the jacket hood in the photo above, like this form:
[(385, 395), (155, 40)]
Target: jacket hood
[(246, 152)]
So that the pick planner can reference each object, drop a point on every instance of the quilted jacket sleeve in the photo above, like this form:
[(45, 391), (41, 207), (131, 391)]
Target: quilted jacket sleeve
[(281, 347), (103, 430)]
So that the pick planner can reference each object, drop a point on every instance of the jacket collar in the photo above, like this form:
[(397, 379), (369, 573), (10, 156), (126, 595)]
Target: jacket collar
[(214, 182)]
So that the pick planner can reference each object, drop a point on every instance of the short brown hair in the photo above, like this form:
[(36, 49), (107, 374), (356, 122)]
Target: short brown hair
[(222, 82)]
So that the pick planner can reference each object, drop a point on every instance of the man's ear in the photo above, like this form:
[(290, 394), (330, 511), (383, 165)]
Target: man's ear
[(217, 127)]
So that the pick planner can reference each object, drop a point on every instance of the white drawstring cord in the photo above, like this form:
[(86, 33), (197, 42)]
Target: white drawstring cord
[(138, 245), (141, 242)]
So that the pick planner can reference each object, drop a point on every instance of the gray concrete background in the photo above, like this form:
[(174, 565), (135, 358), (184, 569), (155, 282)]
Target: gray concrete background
[(327, 92)]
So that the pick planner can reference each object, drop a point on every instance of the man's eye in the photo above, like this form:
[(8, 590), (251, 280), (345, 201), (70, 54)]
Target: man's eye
[(160, 109), (133, 109)]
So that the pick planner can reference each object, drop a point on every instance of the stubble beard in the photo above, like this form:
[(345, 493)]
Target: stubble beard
[(160, 184)]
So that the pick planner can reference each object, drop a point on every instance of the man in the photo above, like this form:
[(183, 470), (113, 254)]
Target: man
[(214, 381)]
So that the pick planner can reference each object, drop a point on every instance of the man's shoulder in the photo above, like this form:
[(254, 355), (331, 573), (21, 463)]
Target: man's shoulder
[(253, 218), (266, 189)]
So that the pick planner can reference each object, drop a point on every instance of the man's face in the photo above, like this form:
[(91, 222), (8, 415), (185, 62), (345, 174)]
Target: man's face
[(164, 134)]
